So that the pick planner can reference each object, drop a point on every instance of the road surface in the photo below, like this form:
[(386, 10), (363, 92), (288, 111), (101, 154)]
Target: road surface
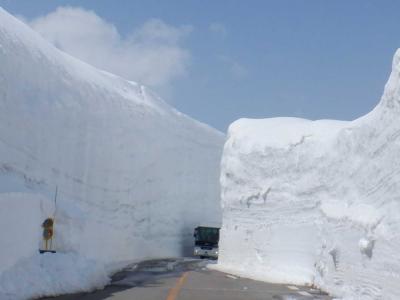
[(188, 279)]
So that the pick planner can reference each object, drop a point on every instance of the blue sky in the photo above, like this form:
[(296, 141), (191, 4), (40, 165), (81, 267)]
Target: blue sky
[(255, 59)]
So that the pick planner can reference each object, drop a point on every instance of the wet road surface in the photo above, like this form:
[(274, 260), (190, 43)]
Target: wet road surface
[(189, 279)]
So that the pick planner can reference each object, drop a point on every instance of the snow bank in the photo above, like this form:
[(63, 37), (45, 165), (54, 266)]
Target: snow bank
[(316, 202), (49, 274), (19, 217), (134, 176)]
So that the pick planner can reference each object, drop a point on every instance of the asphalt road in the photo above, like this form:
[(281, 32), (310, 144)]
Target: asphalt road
[(188, 279)]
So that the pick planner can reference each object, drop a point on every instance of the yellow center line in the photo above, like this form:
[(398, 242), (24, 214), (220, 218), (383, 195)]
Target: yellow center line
[(173, 292)]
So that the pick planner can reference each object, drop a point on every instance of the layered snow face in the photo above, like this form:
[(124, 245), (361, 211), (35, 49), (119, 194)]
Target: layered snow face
[(316, 202), (134, 176)]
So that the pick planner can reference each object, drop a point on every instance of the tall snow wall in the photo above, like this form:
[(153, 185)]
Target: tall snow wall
[(134, 176), (316, 202)]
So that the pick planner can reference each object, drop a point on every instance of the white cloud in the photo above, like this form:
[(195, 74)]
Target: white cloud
[(218, 28), (151, 54)]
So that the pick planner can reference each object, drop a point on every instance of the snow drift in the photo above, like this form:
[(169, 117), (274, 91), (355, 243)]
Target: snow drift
[(316, 202), (134, 176)]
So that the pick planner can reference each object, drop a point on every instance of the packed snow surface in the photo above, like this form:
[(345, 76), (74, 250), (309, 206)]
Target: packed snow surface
[(134, 176), (316, 202)]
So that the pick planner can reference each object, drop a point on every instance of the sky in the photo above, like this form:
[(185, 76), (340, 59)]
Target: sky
[(219, 61)]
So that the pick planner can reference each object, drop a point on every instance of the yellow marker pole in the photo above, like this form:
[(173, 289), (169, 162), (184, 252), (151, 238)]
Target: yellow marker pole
[(54, 216)]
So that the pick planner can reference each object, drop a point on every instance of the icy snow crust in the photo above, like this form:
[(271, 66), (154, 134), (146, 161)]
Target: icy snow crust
[(316, 202), (134, 176)]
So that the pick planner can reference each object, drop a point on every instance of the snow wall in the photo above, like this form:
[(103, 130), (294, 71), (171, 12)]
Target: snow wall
[(316, 202), (134, 176)]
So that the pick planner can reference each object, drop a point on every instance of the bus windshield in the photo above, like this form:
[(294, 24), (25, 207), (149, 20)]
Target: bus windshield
[(208, 235)]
